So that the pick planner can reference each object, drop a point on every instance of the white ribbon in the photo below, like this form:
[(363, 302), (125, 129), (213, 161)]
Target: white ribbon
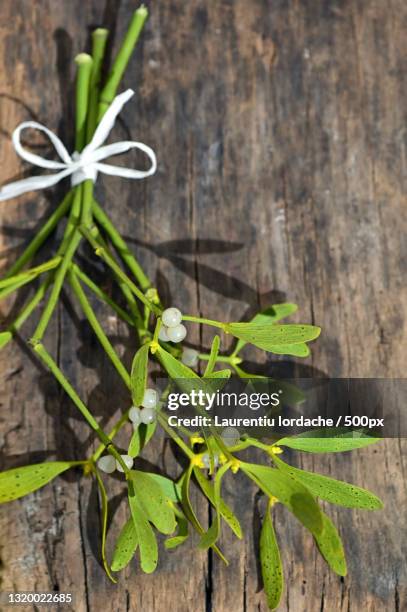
[(80, 166)]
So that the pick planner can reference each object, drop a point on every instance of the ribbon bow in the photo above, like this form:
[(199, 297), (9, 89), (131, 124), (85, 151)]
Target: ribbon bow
[(80, 166)]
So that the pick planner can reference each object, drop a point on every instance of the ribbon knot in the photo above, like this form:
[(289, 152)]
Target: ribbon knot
[(79, 166)]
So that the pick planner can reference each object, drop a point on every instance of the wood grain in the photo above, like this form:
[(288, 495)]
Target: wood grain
[(280, 132)]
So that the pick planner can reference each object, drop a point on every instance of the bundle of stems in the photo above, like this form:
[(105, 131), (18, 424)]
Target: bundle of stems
[(85, 220)]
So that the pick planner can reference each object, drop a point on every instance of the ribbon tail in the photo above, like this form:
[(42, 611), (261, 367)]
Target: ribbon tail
[(32, 183), (125, 172), (108, 121)]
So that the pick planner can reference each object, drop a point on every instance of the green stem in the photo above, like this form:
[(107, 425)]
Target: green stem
[(102, 295), (31, 274), (97, 328), (231, 359), (73, 220), (121, 247), (157, 330), (72, 237), (56, 288), (131, 301), (122, 59), (258, 444), (87, 199), (101, 252), (28, 309), (40, 236), (50, 363), (86, 108), (115, 430), (177, 439), (240, 446), (203, 321), (32, 304), (84, 63), (99, 38), (7, 290), (65, 384)]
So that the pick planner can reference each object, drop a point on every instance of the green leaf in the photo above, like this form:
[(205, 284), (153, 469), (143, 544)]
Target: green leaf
[(331, 490), (243, 374), (154, 502), (174, 367), (186, 501), (20, 481), (330, 547), (189, 511), (275, 338), (297, 350), (271, 566), (209, 538), (225, 512), (135, 444), (186, 379), (5, 338), (291, 396), (145, 534), (171, 490), (317, 441), (270, 315), (126, 546), (138, 375), (140, 437), (289, 492), (181, 536), (103, 498), (225, 373), (213, 356)]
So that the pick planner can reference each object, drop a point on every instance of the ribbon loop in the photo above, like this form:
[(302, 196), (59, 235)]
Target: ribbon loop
[(37, 160), (80, 166)]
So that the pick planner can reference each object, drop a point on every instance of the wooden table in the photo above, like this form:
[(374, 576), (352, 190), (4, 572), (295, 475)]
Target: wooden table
[(280, 133)]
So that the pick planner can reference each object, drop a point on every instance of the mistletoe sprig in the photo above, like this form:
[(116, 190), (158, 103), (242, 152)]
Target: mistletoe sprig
[(158, 504)]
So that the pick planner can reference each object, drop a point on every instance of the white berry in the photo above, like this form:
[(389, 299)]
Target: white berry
[(171, 317), (178, 333), (163, 333), (206, 460), (127, 460), (230, 436), (150, 398), (190, 357), (134, 415), (107, 464), (148, 415)]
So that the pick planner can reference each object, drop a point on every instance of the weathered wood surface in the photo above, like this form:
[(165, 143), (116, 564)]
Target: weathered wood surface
[(279, 127)]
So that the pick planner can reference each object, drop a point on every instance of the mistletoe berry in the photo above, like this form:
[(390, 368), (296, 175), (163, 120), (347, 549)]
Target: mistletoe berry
[(177, 333), (148, 415), (163, 334), (134, 416), (230, 436), (171, 317), (107, 464), (150, 398), (128, 462), (190, 357)]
